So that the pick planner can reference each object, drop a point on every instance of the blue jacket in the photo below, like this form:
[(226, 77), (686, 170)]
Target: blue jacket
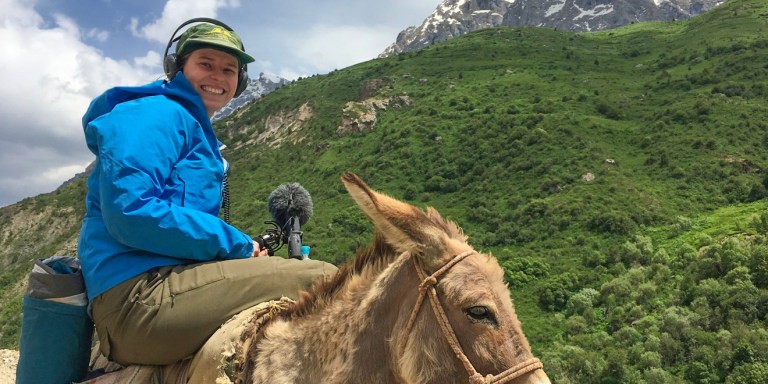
[(156, 188)]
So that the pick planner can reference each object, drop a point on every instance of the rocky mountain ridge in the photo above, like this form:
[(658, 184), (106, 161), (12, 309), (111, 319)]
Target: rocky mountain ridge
[(454, 18), (256, 89)]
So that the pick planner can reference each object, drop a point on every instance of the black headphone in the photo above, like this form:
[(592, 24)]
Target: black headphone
[(171, 62)]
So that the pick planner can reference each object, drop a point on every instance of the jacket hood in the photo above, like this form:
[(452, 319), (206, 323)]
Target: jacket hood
[(179, 89)]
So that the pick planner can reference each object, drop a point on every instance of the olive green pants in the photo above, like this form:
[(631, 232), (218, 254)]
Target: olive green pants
[(166, 314)]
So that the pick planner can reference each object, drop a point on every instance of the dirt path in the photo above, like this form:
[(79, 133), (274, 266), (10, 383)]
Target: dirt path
[(8, 361)]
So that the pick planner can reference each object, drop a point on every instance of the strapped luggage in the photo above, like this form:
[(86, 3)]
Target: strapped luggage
[(56, 330)]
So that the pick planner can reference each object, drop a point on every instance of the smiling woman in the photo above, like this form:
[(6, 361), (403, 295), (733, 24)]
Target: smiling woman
[(214, 75), (152, 246)]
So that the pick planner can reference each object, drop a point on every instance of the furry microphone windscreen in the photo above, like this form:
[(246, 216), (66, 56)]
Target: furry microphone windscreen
[(290, 199)]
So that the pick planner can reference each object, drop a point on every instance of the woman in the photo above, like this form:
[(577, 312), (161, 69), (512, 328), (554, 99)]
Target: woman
[(162, 271)]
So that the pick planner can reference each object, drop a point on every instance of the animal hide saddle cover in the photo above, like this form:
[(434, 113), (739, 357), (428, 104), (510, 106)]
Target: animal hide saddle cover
[(220, 360)]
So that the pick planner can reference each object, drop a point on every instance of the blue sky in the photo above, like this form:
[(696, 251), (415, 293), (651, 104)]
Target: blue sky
[(57, 55)]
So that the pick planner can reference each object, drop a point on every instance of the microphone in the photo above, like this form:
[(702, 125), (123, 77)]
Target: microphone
[(291, 207), (290, 200)]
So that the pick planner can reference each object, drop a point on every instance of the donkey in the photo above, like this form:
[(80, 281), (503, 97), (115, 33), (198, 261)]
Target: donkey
[(419, 305)]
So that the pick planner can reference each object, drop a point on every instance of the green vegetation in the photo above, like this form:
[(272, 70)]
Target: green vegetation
[(619, 178)]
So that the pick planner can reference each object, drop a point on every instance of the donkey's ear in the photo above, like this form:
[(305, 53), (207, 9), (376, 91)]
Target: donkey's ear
[(401, 225)]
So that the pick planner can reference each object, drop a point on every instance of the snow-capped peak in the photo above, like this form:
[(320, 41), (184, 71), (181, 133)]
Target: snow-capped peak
[(453, 18), (256, 89)]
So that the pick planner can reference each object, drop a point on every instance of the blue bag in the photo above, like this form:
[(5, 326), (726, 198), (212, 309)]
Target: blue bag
[(56, 330)]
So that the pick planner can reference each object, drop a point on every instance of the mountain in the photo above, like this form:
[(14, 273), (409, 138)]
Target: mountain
[(456, 17), (256, 89), (618, 176)]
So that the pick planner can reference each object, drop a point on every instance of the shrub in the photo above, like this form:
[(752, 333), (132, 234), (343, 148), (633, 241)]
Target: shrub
[(576, 325), (554, 294), (638, 251), (729, 90), (756, 373), (698, 372), (520, 271), (583, 302), (760, 223), (758, 266), (661, 257), (616, 290), (434, 184), (648, 360), (682, 224), (608, 110), (612, 222)]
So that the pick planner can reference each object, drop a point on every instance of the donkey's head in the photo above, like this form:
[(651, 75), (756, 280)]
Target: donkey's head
[(463, 328)]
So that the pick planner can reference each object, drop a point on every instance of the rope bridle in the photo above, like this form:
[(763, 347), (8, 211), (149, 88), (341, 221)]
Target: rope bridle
[(427, 286)]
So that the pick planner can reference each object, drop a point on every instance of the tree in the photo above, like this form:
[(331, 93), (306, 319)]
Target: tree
[(576, 325), (522, 270), (554, 294), (744, 354), (699, 373), (582, 303), (676, 321), (659, 376), (758, 266), (616, 291), (576, 365), (648, 360), (671, 350), (645, 292), (627, 336), (615, 370), (761, 223), (719, 259), (756, 373), (741, 300)]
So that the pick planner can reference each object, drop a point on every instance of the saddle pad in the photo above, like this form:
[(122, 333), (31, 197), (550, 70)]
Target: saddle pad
[(219, 361), (222, 357)]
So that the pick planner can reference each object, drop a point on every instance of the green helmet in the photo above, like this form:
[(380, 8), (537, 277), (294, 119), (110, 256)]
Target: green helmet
[(206, 35)]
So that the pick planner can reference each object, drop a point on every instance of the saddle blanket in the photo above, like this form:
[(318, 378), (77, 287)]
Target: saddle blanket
[(219, 361)]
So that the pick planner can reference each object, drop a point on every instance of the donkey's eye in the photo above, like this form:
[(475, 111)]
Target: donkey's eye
[(480, 313)]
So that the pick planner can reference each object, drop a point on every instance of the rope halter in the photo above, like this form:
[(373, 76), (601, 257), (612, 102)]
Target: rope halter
[(427, 286)]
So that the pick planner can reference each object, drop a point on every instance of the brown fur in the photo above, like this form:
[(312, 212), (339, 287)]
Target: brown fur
[(351, 329)]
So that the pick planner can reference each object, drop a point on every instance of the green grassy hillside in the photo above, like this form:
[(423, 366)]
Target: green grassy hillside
[(618, 176)]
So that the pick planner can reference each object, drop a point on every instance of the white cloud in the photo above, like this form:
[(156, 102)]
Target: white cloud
[(18, 15), (151, 60), (320, 51), (99, 35), (266, 64), (65, 172), (290, 74), (177, 12), (49, 76)]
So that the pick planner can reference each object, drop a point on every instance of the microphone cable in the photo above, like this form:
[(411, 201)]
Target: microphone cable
[(225, 199), (225, 190)]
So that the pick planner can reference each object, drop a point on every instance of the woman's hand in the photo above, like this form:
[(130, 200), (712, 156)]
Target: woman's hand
[(257, 251)]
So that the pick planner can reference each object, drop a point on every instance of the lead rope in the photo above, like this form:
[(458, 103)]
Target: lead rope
[(427, 286)]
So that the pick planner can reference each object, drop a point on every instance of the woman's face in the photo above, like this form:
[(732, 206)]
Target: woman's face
[(213, 73)]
